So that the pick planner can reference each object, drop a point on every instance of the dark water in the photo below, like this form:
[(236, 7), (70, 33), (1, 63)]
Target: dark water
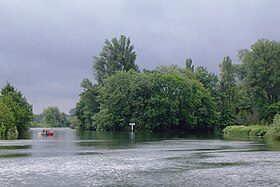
[(81, 158)]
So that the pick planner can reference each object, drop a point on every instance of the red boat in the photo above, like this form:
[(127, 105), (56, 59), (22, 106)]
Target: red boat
[(47, 132)]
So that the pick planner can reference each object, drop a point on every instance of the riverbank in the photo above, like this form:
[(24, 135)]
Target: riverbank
[(136, 159), (268, 131), (246, 131)]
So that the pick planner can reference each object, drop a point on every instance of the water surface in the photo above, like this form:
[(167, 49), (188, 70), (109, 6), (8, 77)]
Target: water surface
[(83, 158)]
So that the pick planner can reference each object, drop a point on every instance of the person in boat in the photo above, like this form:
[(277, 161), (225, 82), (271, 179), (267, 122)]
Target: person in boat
[(44, 131)]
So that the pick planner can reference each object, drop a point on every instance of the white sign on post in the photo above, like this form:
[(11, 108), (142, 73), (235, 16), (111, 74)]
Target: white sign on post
[(131, 124)]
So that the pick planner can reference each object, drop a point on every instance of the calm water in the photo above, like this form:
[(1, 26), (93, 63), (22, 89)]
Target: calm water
[(81, 158)]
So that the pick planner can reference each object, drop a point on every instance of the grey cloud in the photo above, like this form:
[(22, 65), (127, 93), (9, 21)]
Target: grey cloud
[(46, 47)]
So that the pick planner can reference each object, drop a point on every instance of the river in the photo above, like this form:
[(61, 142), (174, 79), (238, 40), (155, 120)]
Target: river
[(84, 158)]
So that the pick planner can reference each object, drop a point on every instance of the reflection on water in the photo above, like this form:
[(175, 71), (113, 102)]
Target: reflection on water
[(61, 144), (85, 158)]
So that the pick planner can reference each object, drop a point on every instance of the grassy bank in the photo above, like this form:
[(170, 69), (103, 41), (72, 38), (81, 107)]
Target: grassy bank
[(268, 131), (246, 131)]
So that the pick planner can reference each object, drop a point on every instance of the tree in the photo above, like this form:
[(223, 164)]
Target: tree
[(87, 106), (38, 118), (271, 111), (261, 80), (158, 101), (227, 81), (18, 105), (262, 64), (117, 55), (7, 121), (54, 117), (227, 91), (189, 64), (209, 80), (74, 123), (117, 98), (72, 112)]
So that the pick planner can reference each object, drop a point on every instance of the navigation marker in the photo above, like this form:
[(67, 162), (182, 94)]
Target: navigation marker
[(131, 124)]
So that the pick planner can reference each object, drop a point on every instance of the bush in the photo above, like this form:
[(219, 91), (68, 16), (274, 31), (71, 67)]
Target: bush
[(276, 120), (274, 131), (271, 112), (245, 131), (74, 123), (258, 130)]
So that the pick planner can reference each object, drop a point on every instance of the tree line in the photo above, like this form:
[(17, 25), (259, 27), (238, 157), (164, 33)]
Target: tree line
[(16, 115), (176, 98), (51, 117), (166, 98)]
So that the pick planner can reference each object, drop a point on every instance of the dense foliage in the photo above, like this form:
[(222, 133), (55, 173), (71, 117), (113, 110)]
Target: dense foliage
[(87, 106), (250, 90), (54, 118), (241, 131), (15, 112), (117, 55), (262, 64), (274, 131), (174, 98), (155, 101), (7, 120)]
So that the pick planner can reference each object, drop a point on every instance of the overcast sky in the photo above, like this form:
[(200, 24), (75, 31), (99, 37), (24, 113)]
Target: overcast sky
[(46, 46)]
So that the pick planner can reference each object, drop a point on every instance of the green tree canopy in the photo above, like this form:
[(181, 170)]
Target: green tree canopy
[(260, 74), (227, 81), (87, 106), (262, 66), (174, 98), (7, 121), (189, 64), (227, 89), (209, 80), (155, 101), (117, 55), (18, 105), (54, 117)]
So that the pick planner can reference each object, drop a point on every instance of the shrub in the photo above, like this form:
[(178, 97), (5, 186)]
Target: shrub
[(245, 131), (274, 131), (258, 130)]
